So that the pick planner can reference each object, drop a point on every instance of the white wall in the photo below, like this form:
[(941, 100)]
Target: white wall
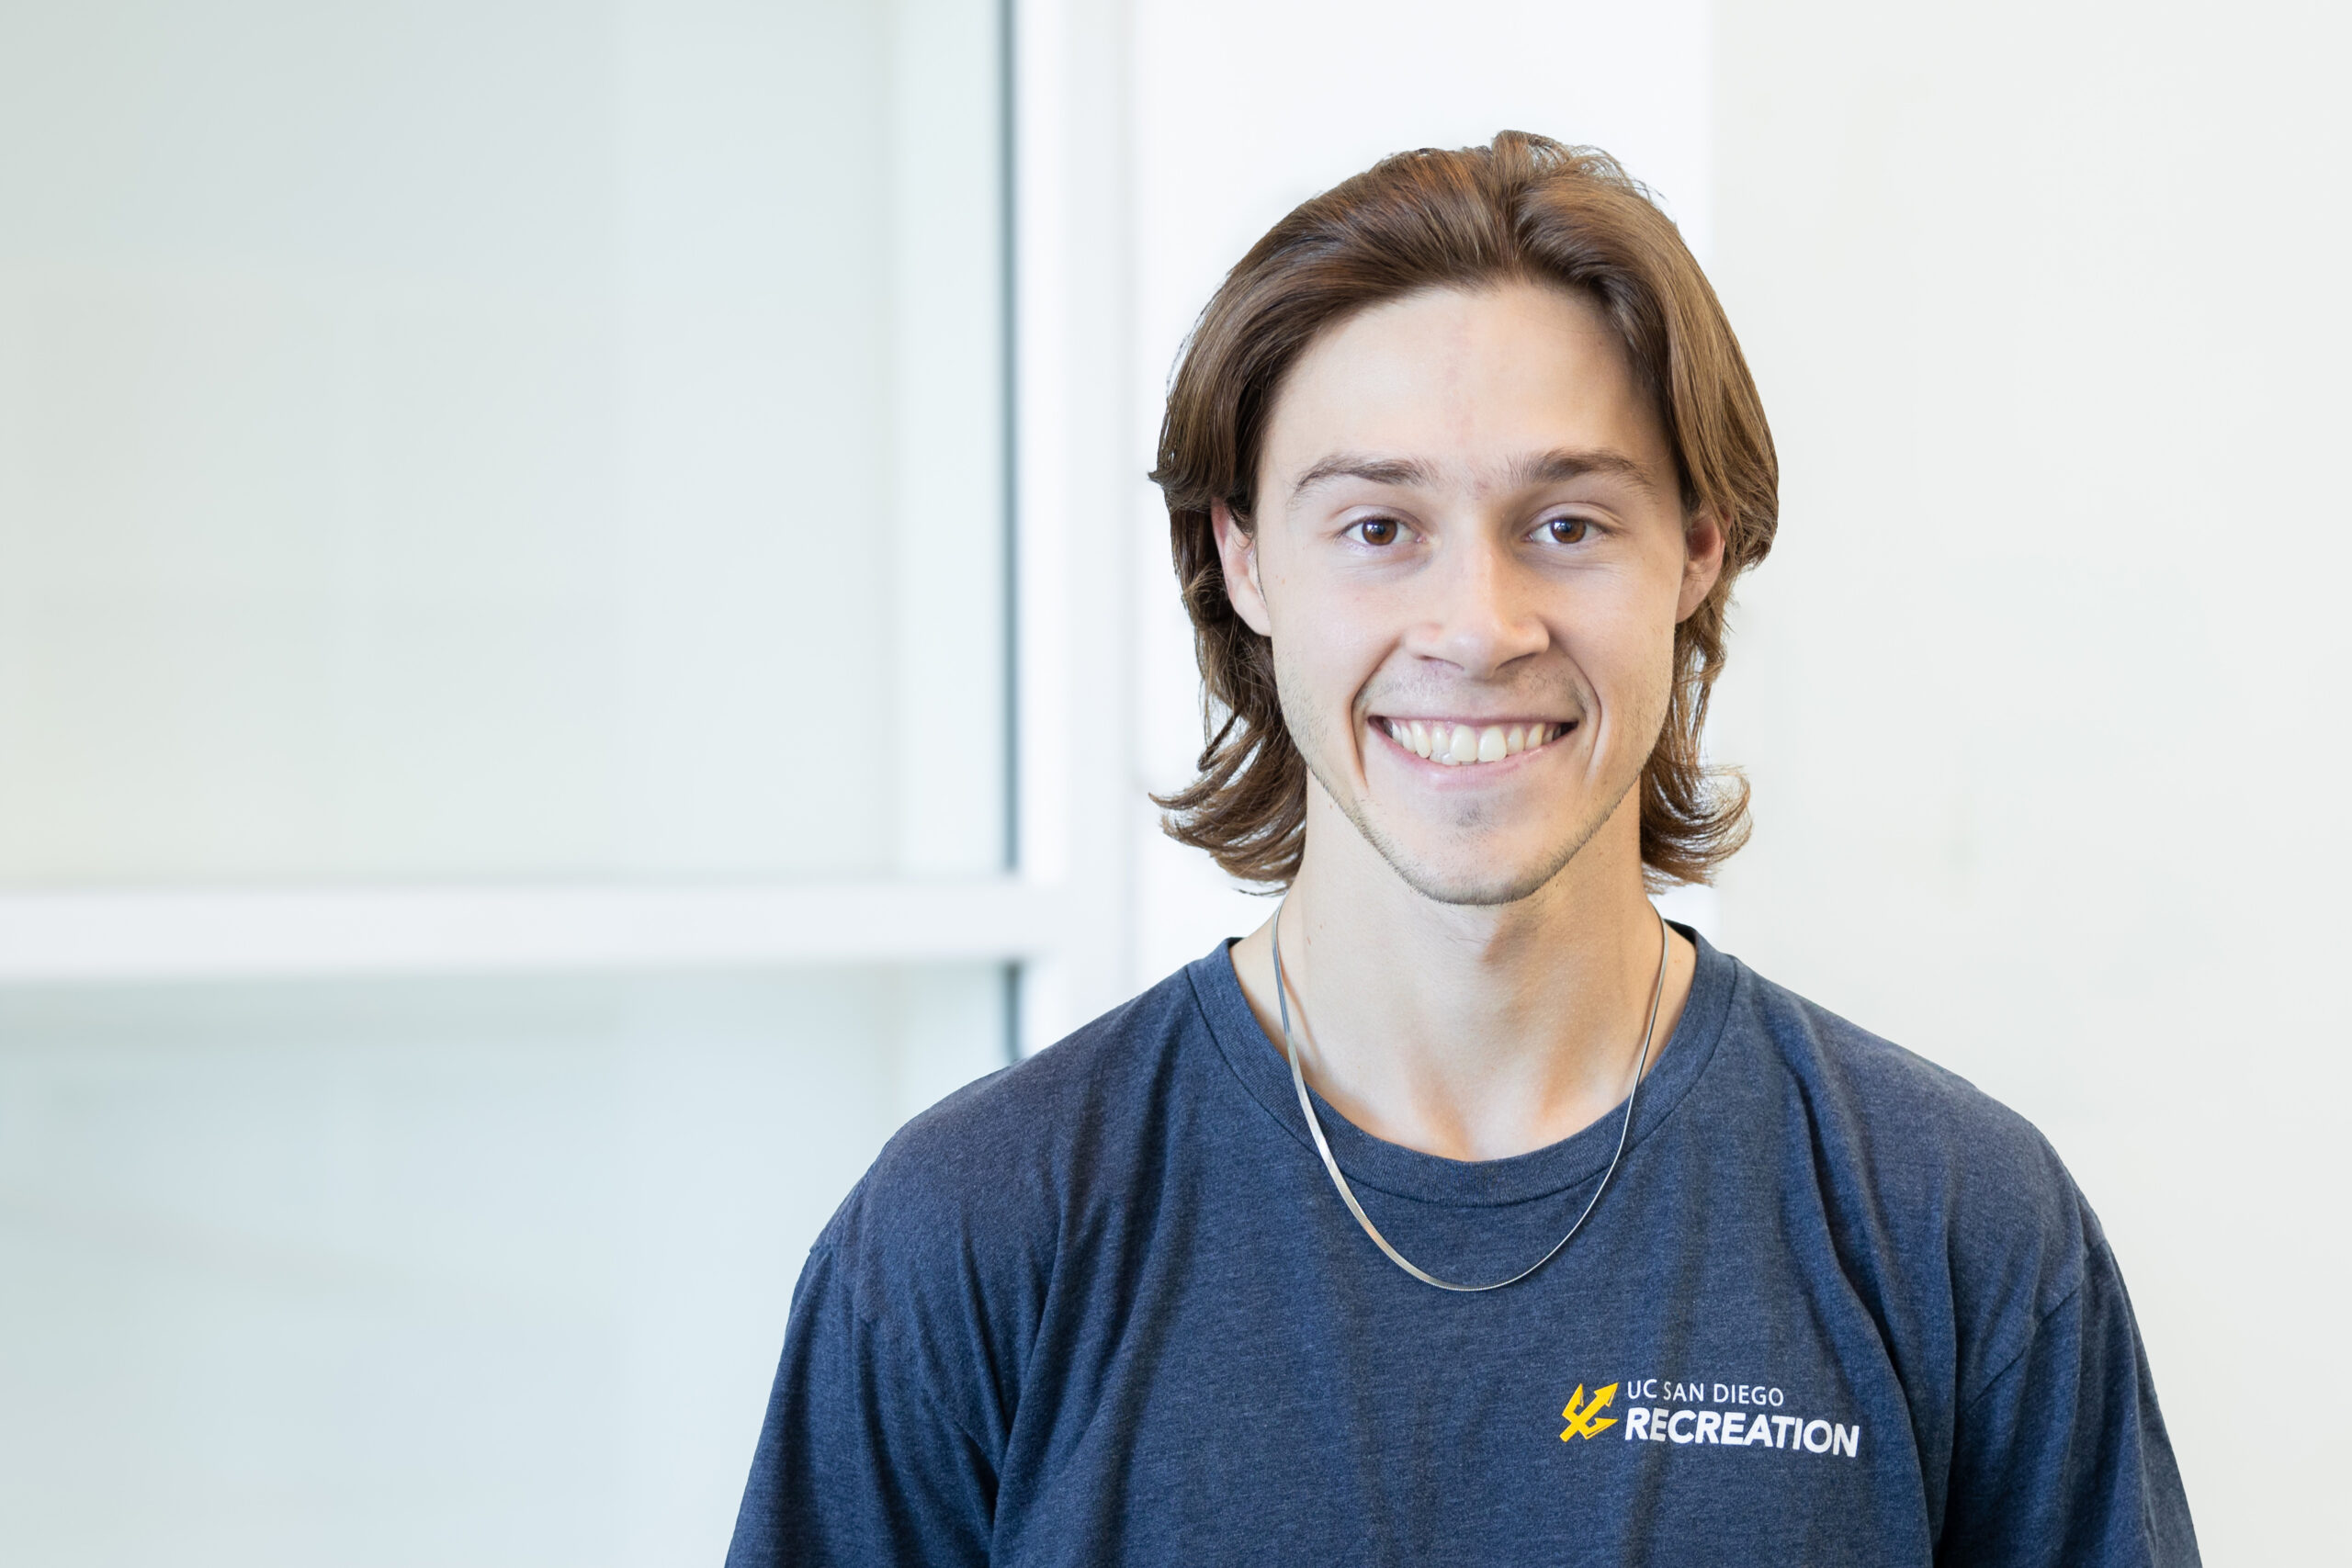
[(2039, 690)]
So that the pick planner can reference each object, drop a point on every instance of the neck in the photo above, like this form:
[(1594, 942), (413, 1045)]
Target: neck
[(1471, 1031)]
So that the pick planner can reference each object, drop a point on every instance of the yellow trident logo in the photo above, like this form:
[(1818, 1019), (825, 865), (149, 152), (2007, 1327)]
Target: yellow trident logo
[(1581, 1418)]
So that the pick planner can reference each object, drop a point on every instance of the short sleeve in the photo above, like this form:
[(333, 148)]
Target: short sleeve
[(857, 1463), (2062, 1457)]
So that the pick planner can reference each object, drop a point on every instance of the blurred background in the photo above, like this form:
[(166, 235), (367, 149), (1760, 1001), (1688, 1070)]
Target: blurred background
[(582, 634)]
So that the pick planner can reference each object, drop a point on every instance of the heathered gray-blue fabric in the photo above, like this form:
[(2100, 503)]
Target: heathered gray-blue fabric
[(1104, 1307)]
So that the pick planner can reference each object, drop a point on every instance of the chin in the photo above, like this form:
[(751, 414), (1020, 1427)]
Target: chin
[(1481, 890), (1475, 874), (1466, 857)]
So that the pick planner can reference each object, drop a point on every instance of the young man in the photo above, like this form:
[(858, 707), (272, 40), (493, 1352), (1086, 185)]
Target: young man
[(1465, 1211)]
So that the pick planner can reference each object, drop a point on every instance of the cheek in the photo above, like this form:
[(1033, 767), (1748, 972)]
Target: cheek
[(1328, 642), (1616, 632), (1626, 653)]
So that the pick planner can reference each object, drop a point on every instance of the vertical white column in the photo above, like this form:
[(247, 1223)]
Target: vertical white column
[(1072, 302)]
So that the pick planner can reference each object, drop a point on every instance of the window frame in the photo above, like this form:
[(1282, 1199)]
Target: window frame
[(1059, 915)]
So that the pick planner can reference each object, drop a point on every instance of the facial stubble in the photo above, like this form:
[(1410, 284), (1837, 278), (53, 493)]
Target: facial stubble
[(1314, 740)]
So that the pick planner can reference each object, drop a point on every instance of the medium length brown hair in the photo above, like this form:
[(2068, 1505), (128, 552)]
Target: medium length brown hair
[(1524, 209)]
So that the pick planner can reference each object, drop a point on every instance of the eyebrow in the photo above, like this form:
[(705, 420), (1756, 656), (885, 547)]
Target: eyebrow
[(1552, 467), (1372, 470), (1555, 467)]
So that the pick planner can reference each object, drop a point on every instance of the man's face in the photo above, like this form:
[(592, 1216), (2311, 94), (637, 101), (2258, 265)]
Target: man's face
[(1471, 555)]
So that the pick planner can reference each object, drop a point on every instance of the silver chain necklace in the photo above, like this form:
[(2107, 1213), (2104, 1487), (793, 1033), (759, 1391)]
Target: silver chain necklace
[(1347, 1193)]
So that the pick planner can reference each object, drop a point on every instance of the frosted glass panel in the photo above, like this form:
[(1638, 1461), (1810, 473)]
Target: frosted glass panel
[(508, 439), (449, 1272)]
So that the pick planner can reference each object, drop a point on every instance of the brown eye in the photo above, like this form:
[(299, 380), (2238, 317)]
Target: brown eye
[(1569, 530), (1377, 531)]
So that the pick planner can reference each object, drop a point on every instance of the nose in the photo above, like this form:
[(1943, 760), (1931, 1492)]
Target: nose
[(1478, 614)]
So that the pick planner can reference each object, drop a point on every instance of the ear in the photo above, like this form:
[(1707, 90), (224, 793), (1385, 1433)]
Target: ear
[(1237, 550), (1702, 561)]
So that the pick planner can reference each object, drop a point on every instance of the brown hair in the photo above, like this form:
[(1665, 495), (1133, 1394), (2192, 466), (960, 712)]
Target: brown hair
[(1524, 209)]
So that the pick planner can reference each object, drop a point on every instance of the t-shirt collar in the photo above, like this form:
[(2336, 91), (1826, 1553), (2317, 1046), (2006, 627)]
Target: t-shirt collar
[(1407, 1173)]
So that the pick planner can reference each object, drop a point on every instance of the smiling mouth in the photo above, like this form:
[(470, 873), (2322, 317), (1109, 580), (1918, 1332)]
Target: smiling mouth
[(1464, 745)]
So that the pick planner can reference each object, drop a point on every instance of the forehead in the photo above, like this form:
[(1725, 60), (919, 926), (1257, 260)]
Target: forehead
[(1467, 382)]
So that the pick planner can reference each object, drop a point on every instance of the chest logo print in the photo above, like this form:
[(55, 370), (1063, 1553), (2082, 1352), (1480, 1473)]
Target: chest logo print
[(1582, 1417)]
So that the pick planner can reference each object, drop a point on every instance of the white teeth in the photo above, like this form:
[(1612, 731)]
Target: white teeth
[(1457, 744)]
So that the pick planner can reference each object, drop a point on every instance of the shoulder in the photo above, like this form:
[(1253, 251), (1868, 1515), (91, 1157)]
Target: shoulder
[(1908, 1118), (1932, 1187), (983, 1186), (943, 1260)]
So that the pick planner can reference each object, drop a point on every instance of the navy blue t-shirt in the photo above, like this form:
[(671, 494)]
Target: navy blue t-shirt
[(1105, 1307)]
